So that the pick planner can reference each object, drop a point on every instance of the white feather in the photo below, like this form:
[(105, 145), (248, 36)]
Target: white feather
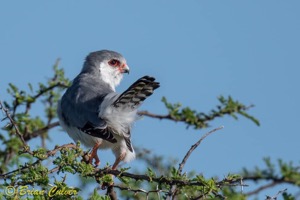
[(110, 75), (121, 118), (122, 148)]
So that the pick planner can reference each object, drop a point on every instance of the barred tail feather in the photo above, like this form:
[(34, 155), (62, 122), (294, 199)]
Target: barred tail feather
[(137, 93)]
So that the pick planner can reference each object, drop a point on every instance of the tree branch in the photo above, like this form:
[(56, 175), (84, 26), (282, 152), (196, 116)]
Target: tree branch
[(157, 116), (193, 147), (111, 193), (7, 175), (12, 122), (139, 190), (98, 173), (40, 131), (161, 180), (43, 91), (48, 154), (258, 190), (274, 181), (172, 190)]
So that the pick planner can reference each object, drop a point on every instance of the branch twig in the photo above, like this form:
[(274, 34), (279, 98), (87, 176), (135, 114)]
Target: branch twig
[(12, 122), (172, 191), (193, 147), (43, 91), (162, 179), (49, 153), (111, 193), (139, 190), (256, 191), (40, 131), (157, 116), (275, 197), (274, 182), (7, 175)]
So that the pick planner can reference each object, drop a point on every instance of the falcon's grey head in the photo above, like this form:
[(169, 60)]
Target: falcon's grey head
[(108, 65)]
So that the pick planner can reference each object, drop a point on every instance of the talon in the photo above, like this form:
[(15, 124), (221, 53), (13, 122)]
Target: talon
[(93, 155), (97, 160)]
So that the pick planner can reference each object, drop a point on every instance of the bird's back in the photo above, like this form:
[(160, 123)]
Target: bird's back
[(80, 103)]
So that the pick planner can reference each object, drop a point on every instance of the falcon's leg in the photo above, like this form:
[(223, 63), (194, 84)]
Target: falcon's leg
[(94, 154), (118, 160)]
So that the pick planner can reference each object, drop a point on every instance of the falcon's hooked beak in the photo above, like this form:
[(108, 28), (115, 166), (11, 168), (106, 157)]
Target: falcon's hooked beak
[(124, 69)]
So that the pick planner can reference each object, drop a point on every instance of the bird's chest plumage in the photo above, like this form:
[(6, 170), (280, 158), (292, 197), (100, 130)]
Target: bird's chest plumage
[(110, 76)]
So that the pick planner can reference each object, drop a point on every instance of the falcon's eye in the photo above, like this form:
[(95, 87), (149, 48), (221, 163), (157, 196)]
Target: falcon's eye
[(114, 62)]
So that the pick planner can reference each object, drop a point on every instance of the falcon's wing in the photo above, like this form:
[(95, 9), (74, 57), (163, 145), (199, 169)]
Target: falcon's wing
[(128, 142), (103, 133), (80, 107)]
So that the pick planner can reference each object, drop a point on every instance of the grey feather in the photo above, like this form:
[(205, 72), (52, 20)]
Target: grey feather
[(81, 101), (95, 58)]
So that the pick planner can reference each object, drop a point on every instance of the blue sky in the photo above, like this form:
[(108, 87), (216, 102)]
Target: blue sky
[(198, 50)]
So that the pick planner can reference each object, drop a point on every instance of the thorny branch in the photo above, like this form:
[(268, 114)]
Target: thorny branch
[(26, 135), (256, 191), (193, 147), (42, 92), (157, 116), (110, 190), (274, 181), (111, 193), (97, 172), (275, 197), (139, 190), (172, 190), (48, 154), (205, 194), (12, 122), (37, 133), (7, 175), (204, 118), (140, 177)]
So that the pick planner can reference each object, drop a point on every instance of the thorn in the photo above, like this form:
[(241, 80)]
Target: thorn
[(4, 118)]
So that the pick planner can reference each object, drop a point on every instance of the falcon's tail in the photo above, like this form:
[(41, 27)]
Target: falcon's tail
[(137, 93)]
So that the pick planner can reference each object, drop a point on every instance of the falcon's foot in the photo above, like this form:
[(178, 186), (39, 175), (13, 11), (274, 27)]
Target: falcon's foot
[(118, 160), (93, 155)]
